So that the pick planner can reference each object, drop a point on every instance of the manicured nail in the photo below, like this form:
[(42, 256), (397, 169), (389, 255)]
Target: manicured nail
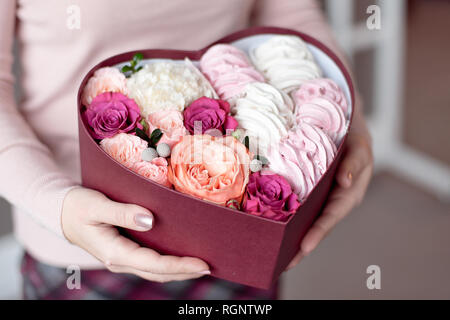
[(143, 220), (204, 272)]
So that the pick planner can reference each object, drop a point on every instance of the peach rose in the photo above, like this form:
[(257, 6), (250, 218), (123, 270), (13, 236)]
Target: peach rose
[(155, 170), (104, 80), (170, 122), (215, 169), (124, 148)]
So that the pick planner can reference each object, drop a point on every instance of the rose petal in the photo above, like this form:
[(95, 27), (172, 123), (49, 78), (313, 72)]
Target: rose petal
[(292, 203), (230, 123), (252, 205), (224, 105)]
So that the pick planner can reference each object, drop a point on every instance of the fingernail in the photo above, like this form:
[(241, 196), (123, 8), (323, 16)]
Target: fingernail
[(143, 220), (350, 177), (204, 272)]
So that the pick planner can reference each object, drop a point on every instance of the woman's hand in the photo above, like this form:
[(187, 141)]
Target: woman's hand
[(88, 220), (352, 178)]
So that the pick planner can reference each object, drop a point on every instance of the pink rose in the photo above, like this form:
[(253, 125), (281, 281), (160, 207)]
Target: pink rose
[(170, 122), (112, 113), (124, 148), (213, 114), (155, 170), (104, 80), (269, 195)]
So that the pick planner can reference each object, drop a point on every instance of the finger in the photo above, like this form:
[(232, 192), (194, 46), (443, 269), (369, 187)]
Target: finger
[(358, 155), (148, 260), (298, 257), (123, 215), (124, 252), (340, 202), (162, 278)]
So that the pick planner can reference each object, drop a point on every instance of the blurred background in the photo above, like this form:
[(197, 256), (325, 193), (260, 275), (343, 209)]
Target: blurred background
[(403, 225)]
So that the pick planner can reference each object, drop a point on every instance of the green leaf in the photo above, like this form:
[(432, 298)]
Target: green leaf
[(144, 124), (247, 142), (155, 137), (141, 134), (126, 69), (138, 57), (131, 67)]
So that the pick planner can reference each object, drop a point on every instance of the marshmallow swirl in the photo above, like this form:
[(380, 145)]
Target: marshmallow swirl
[(285, 61), (325, 114), (323, 87), (302, 157), (229, 70), (265, 113)]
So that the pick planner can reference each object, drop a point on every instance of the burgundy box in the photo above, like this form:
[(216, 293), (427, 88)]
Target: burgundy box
[(237, 246)]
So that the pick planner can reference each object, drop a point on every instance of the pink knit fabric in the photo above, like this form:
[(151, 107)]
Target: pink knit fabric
[(38, 138)]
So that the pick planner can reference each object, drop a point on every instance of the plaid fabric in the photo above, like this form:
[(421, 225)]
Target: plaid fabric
[(41, 281)]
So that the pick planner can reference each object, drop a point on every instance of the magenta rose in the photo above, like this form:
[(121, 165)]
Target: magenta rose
[(110, 113), (213, 114), (269, 195)]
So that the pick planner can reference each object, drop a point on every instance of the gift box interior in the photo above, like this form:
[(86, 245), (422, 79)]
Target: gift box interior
[(237, 246)]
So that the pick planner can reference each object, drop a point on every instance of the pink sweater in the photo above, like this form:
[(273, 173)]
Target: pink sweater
[(39, 160)]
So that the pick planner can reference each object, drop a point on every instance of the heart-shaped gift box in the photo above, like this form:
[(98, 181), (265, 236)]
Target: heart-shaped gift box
[(237, 246)]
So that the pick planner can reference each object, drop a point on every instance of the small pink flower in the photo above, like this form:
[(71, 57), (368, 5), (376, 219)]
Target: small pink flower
[(155, 170), (170, 122), (124, 148), (212, 113), (104, 80)]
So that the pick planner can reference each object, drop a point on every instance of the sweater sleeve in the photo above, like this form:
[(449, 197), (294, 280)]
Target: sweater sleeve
[(29, 177)]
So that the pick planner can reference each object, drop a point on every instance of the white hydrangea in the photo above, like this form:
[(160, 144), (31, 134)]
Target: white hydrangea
[(166, 85)]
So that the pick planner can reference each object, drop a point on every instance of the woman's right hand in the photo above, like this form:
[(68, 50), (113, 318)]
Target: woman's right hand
[(88, 221)]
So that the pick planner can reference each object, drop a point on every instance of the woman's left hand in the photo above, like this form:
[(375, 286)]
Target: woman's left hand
[(352, 178)]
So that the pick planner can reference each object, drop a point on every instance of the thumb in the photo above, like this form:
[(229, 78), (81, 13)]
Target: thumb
[(129, 216)]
